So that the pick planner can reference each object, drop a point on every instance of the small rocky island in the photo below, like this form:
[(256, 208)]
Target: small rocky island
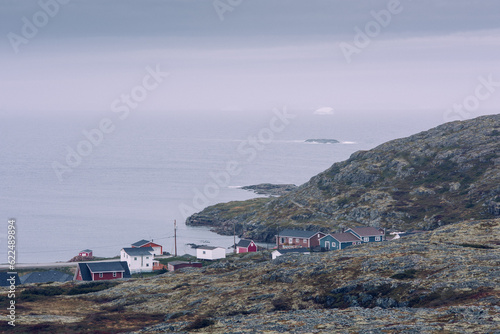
[(322, 141), (271, 189)]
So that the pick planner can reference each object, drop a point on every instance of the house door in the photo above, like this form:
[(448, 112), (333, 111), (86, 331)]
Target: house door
[(327, 245)]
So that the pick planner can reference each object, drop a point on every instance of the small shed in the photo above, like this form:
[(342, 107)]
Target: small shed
[(176, 265), (86, 253), (210, 253), (246, 246), (280, 252)]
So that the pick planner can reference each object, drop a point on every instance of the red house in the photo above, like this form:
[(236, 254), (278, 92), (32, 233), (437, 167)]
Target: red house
[(297, 238), (246, 246), (85, 253), (158, 249), (176, 265), (98, 271)]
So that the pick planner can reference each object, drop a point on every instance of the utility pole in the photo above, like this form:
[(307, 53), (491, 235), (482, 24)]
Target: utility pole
[(175, 237), (234, 236), (278, 239)]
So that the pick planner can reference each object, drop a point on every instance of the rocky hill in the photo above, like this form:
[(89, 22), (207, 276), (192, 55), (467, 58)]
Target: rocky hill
[(442, 281), (433, 178)]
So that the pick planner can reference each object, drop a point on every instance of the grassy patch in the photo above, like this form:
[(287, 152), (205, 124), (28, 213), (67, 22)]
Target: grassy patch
[(32, 294), (447, 296), (90, 287), (149, 274), (186, 258)]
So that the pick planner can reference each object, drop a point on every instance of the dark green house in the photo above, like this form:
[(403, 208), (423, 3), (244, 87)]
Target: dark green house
[(338, 241), (367, 234)]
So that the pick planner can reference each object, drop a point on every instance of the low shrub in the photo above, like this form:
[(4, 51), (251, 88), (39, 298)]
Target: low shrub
[(90, 287), (200, 322), (34, 294), (282, 304), (476, 246), (114, 308), (407, 274)]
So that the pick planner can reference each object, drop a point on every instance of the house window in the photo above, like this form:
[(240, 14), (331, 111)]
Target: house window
[(365, 239), (147, 264), (114, 273), (100, 275), (297, 240), (135, 258), (147, 257), (377, 238), (204, 252), (282, 240), (304, 240), (291, 240)]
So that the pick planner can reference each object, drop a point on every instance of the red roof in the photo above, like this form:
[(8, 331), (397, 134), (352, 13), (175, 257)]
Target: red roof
[(367, 231), (345, 237)]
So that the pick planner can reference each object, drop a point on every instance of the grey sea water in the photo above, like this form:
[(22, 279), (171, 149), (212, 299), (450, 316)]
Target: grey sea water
[(152, 169)]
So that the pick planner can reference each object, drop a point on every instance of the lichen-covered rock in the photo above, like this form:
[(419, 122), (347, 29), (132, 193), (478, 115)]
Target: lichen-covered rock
[(446, 280)]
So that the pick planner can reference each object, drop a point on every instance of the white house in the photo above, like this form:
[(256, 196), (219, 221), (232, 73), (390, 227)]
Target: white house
[(157, 249), (280, 252), (138, 259), (210, 253)]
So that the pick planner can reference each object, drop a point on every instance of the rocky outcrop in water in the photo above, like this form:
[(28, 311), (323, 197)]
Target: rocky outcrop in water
[(322, 141)]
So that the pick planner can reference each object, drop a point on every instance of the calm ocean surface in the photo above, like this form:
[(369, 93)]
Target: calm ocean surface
[(146, 173)]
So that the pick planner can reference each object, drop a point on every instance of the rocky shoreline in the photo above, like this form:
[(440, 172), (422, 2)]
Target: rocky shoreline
[(271, 189)]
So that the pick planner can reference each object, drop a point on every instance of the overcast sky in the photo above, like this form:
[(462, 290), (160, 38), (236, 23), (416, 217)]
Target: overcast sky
[(249, 55)]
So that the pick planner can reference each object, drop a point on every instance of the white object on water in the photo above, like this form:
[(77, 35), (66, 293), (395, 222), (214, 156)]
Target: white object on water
[(324, 111)]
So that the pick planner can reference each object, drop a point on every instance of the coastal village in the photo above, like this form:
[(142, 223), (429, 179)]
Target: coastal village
[(145, 256)]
